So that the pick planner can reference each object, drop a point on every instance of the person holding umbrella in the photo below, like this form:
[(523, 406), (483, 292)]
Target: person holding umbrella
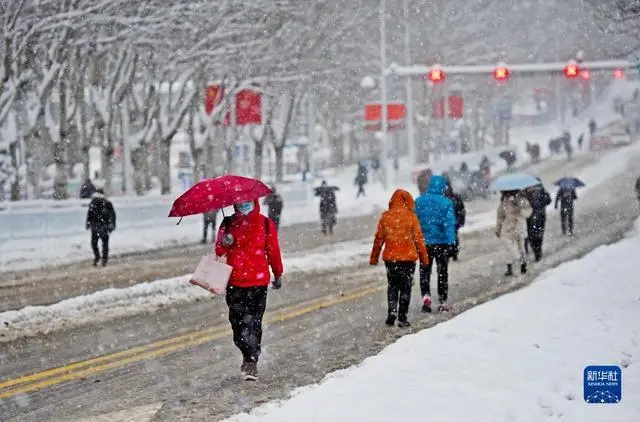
[(539, 199), (566, 196), (511, 227), (249, 242)]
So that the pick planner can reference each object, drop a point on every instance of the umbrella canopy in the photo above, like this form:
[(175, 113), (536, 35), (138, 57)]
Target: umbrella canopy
[(507, 154), (218, 193), (513, 181), (322, 189), (569, 182)]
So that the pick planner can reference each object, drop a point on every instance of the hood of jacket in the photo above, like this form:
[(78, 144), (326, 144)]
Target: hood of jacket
[(437, 185), (401, 199)]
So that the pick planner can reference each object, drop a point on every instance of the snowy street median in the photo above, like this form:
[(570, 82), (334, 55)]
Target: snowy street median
[(520, 357)]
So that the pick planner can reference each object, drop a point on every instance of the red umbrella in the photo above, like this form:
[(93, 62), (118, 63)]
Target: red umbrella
[(217, 193)]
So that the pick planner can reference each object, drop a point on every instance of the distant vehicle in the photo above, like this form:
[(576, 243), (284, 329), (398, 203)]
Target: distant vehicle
[(617, 134)]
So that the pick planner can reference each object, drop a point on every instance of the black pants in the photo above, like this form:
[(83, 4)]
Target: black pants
[(535, 234), (360, 191), (246, 309), (205, 229), (327, 221), (104, 236), (566, 220), (439, 254), (400, 279)]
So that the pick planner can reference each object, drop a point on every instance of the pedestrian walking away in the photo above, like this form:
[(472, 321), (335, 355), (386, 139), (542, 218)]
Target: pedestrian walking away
[(511, 227), (539, 199), (461, 216), (400, 234), (209, 220), (328, 207), (361, 179), (437, 220), (101, 220), (566, 197), (275, 204), (249, 241)]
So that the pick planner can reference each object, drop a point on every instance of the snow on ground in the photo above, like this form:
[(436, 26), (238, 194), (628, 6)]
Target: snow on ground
[(519, 357), (113, 303)]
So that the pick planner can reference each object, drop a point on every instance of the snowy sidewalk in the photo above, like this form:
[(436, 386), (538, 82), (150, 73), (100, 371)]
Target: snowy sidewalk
[(520, 357)]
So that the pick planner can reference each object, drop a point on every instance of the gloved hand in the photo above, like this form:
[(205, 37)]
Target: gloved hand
[(227, 240), (373, 262), (276, 283)]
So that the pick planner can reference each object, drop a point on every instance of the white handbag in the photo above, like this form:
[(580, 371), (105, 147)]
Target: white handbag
[(212, 274)]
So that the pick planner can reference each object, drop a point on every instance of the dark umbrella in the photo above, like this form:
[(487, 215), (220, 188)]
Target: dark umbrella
[(570, 183), (217, 193), (506, 155)]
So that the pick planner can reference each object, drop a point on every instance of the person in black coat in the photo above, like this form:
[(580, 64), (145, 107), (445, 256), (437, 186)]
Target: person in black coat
[(87, 189), (638, 189), (328, 207), (361, 179), (101, 220), (461, 216), (275, 204), (539, 199), (566, 198), (209, 219)]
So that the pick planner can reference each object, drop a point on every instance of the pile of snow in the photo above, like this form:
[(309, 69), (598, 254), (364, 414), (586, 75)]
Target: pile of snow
[(520, 357), (146, 297)]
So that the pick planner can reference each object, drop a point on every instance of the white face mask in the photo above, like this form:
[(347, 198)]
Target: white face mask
[(244, 207)]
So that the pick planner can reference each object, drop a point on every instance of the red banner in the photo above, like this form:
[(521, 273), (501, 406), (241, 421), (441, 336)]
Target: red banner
[(213, 97), (373, 112), (248, 108), (455, 111)]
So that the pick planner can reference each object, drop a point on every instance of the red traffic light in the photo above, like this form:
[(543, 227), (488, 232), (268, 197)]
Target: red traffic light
[(501, 73), (585, 74), (436, 75), (618, 74), (571, 71)]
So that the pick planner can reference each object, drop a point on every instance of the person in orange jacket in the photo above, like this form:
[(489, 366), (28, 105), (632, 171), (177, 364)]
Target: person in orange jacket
[(400, 234)]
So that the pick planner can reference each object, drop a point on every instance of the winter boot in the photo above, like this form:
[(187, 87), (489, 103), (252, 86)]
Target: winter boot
[(444, 307), (251, 371), (523, 268), (243, 367), (95, 262), (391, 320), (509, 270), (426, 304), (403, 323)]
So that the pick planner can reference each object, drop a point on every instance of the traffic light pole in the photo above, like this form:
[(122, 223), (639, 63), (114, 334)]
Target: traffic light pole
[(409, 117), (383, 93)]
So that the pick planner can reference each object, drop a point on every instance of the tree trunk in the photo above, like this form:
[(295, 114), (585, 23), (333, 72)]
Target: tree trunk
[(140, 163), (279, 151), (258, 156), (164, 171), (107, 165), (15, 185), (61, 180)]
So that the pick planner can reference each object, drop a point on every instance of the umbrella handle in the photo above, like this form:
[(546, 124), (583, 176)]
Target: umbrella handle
[(179, 221)]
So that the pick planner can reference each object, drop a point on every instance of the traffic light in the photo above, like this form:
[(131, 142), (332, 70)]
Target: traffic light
[(501, 73), (571, 70), (618, 74), (436, 75), (585, 74)]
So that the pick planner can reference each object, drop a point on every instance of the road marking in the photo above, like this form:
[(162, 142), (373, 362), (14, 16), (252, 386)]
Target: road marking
[(134, 414), (83, 369)]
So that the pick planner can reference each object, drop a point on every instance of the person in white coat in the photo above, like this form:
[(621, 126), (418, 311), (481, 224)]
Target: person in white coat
[(511, 227)]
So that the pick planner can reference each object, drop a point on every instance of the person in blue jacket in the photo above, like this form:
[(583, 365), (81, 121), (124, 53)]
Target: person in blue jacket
[(438, 223)]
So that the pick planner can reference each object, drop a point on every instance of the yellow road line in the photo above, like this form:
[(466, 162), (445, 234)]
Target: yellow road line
[(74, 371)]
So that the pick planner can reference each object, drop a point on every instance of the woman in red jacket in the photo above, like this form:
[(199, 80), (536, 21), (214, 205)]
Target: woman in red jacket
[(249, 241)]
